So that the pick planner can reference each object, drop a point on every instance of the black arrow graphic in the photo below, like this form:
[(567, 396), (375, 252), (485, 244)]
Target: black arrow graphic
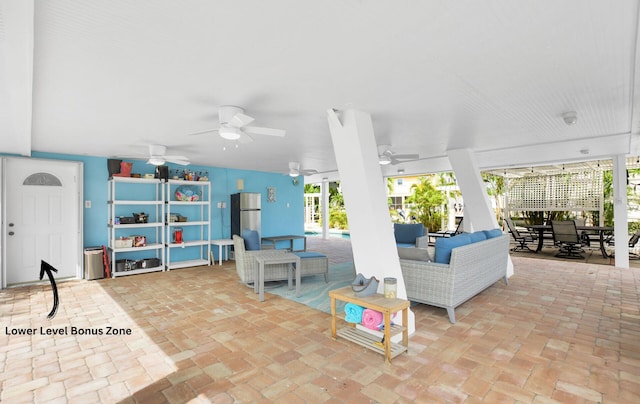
[(46, 267)]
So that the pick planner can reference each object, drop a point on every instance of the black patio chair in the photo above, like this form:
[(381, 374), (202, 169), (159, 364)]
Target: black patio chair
[(566, 237), (633, 240), (522, 238), (449, 233)]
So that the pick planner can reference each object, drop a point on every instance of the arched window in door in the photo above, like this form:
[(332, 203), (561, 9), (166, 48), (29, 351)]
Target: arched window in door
[(43, 179)]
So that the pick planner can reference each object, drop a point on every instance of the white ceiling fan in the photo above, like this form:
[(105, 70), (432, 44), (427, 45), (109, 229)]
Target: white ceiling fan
[(233, 125), (158, 156), (387, 156), (295, 170)]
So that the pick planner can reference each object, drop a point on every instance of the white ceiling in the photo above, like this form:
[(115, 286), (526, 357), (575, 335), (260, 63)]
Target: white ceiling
[(111, 76)]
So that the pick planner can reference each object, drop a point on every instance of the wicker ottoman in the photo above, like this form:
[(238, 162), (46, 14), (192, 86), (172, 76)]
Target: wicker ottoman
[(313, 263)]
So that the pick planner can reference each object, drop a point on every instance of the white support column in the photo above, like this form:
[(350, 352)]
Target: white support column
[(324, 206), (365, 197), (478, 213), (372, 240), (620, 217)]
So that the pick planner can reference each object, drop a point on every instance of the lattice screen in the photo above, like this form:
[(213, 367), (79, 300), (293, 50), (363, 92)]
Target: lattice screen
[(578, 191)]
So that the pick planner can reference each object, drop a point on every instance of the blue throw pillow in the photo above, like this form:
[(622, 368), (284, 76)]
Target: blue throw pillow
[(492, 233), (251, 239), (444, 245), (477, 236)]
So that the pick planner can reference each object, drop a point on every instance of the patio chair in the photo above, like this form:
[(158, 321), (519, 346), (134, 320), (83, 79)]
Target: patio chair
[(246, 263), (522, 238), (633, 241), (565, 236), (449, 233)]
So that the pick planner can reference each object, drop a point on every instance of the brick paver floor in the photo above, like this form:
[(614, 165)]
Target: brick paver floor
[(559, 332)]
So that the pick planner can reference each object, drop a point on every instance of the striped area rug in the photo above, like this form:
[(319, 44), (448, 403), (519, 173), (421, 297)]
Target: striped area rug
[(314, 292)]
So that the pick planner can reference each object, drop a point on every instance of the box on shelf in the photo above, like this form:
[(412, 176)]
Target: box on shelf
[(139, 241), (123, 243), (174, 217)]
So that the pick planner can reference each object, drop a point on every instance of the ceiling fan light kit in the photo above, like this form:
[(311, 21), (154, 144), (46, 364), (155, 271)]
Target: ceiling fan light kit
[(156, 161), (230, 133)]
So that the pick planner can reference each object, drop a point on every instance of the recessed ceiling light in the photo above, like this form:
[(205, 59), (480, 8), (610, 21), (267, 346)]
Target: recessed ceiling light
[(570, 118)]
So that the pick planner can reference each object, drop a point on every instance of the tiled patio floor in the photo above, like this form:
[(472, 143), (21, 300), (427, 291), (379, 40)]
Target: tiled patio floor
[(561, 331)]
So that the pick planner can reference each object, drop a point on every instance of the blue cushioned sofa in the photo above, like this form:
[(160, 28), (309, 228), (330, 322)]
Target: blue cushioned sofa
[(462, 269)]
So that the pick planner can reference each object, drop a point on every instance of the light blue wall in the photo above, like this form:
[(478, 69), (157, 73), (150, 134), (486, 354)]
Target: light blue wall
[(284, 216)]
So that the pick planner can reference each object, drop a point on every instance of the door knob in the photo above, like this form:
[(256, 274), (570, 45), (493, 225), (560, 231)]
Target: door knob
[(11, 233), (10, 224)]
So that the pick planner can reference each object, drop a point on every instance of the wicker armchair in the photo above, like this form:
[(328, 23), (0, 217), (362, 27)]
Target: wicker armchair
[(472, 269), (246, 264)]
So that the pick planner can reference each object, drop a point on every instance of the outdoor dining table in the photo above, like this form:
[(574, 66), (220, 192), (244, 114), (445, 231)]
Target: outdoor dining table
[(546, 228)]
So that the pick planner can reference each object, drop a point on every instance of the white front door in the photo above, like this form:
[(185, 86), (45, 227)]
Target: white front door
[(42, 221)]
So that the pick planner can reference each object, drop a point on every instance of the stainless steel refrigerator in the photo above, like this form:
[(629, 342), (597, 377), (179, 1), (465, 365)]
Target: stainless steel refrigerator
[(245, 212)]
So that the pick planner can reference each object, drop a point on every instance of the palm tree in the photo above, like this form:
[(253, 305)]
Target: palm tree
[(425, 202)]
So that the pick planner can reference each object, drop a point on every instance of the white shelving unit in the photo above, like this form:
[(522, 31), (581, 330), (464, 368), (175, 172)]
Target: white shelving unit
[(195, 249), (134, 195)]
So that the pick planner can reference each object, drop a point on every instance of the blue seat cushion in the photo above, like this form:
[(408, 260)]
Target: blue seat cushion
[(309, 254), (492, 233), (407, 233), (406, 245), (477, 236), (444, 246), (251, 239)]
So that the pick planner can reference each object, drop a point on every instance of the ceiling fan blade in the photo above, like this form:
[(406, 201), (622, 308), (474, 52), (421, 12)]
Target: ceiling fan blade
[(174, 158), (256, 130), (178, 161), (239, 120), (405, 156), (202, 132), (308, 172)]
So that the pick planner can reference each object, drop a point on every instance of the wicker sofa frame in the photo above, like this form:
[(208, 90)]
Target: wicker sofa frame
[(472, 269)]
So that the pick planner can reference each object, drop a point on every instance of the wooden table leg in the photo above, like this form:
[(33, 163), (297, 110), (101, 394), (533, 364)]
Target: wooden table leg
[(405, 325), (333, 317), (387, 336)]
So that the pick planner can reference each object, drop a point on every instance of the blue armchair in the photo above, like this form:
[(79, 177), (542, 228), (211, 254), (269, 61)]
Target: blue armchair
[(411, 235)]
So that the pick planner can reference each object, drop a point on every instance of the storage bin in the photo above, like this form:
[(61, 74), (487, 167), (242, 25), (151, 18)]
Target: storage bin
[(123, 243)]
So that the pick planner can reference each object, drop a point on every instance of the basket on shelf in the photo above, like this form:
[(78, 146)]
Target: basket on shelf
[(187, 194)]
